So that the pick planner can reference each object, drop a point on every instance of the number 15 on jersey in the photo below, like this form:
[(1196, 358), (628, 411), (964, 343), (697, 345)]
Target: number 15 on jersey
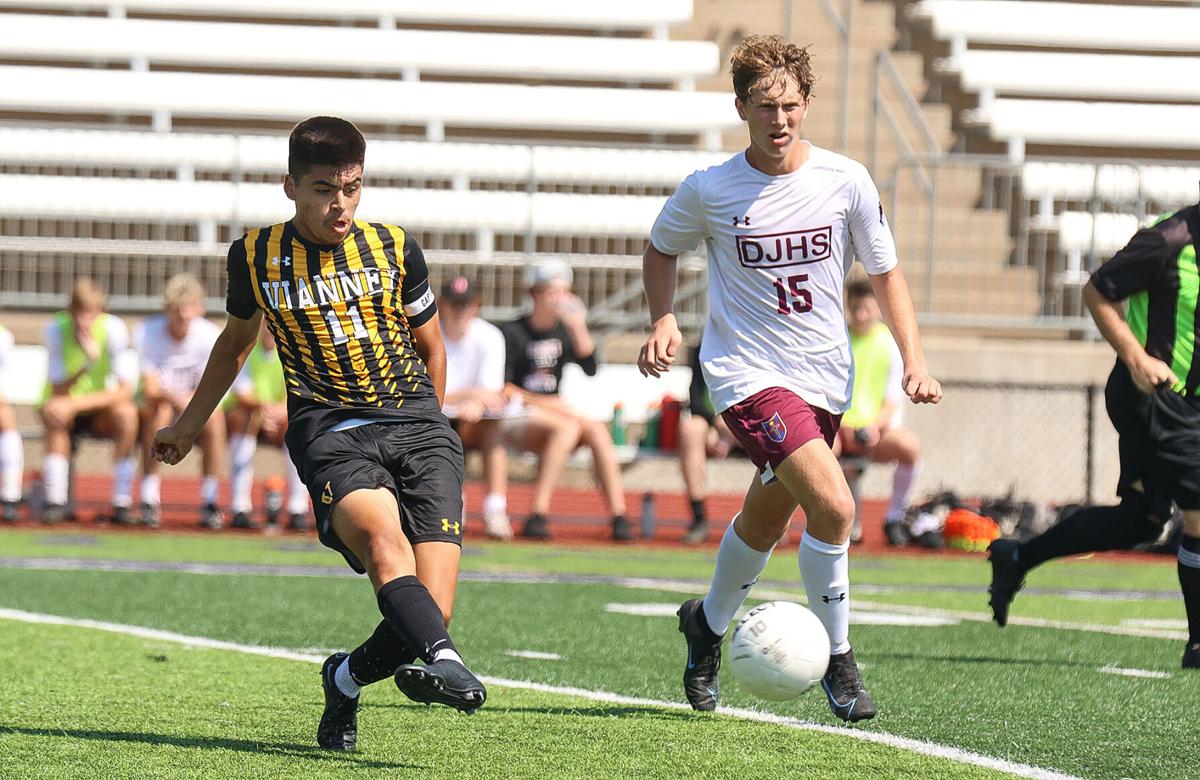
[(792, 296)]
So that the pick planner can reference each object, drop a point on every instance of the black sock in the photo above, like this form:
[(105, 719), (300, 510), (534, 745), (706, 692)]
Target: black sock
[(699, 513), (1090, 529), (413, 614), (1189, 583), (702, 619), (380, 656)]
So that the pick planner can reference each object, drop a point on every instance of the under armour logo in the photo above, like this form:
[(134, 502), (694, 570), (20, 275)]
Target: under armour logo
[(838, 597), (449, 527), (286, 261), (741, 221)]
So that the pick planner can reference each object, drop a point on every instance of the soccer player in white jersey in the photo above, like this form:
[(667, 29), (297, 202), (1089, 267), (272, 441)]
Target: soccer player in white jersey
[(174, 348), (782, 222)]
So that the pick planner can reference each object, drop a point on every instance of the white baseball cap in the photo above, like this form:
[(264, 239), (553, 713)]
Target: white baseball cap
[(547, 271)]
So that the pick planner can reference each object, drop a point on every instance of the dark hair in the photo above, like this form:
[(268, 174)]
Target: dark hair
[(858, 289), (324, 140), (763, 56)]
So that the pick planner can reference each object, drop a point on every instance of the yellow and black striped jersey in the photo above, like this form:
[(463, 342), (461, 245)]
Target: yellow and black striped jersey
[(342, 316)]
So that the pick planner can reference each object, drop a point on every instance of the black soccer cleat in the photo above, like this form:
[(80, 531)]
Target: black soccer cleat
[(211, 517), (8, 511), (843, 687), (442, 682), (121, 515), (338, 729), (897, 535), (243, 520), (150, 515), (298, 521), (1191, 656), (697, 533), (1007, 578), (54, 513), (622, 531), (701, 685), (535, 527)]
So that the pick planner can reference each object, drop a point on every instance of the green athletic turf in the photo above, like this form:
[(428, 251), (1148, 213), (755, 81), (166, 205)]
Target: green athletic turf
[(115, 706), (1026, 694)]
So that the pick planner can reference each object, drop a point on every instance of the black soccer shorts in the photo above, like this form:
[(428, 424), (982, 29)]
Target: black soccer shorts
[(420, 462), (1159, 442)]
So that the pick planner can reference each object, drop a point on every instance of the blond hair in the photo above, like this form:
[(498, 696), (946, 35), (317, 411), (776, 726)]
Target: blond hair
[(86, 295), (183, 289), (762, 56)]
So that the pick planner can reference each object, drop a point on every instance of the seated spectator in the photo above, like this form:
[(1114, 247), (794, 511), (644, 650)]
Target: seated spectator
[(12, 453), (702, 435), (256, 411), (475, 399), (871, 430), (174, 349), (89, 390), (537, 346)]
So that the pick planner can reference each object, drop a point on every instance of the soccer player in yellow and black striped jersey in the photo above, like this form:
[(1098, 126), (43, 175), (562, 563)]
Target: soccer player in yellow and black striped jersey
[(349, 305), (1153, 400)]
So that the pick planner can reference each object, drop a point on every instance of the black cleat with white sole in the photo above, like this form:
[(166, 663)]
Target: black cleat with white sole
[(700, 682), (844, 689), (442, 682), (1008, 577), (1191, 656), (338, 729)]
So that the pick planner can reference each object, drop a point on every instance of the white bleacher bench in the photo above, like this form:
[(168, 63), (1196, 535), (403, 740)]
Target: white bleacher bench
[(1080, 123), (1168, 186), (1065, 25), (1073, 75), (462, 163), (652, 15), (209, 203), (161, 96), (596, 396), (148, 43)]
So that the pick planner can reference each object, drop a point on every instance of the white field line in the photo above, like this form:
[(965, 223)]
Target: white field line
[(536, 655), (1147, 673), (686, 587), (903, 743)]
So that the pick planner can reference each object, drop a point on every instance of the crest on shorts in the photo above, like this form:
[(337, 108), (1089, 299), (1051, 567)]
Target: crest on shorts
[(327, 496), (775, 429)]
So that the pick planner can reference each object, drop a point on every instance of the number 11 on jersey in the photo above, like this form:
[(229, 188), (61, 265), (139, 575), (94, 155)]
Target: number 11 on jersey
[(339, 333), (800, 300)]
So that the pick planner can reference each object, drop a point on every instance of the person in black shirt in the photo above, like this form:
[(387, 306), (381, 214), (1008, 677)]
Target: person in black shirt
[(349, 305), (537, 346), (1153, 400), (702, 435)]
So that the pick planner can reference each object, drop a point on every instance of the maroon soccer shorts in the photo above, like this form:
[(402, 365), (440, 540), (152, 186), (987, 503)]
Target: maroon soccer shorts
[(774, 423)]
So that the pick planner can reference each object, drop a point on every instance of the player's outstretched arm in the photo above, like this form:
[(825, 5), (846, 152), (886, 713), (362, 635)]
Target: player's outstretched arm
[(427, 340), (659, 351), (895, 304), (172, 444), (1147, 371)]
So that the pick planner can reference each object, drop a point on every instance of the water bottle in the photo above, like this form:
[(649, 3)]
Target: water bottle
[(617, 426), (648, 516)]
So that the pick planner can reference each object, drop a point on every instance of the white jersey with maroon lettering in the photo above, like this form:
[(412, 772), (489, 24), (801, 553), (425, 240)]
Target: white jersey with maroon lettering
[(779, 248)]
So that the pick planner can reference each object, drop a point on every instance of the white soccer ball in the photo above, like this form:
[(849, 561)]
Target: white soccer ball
[(779, 650)]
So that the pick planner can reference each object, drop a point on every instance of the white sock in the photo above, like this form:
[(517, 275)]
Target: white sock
[(442, 655), (209, 489), (345, 681), (54, 478), (149, 492), (903, 482), (297, 492), (738, 567), (826, 573), (12, 466), (495, 503), (241, 472), (123, 475)]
